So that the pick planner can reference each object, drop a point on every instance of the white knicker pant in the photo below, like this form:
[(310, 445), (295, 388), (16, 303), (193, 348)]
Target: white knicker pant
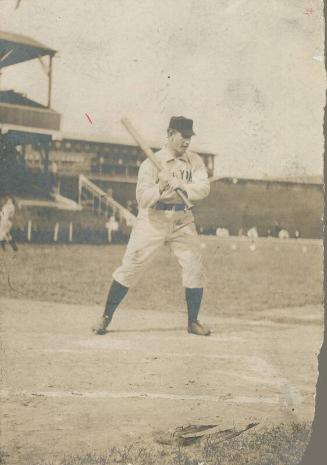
[(154, 228), (5, 227)]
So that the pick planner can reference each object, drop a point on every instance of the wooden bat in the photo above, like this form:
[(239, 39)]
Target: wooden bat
[(149, 153)]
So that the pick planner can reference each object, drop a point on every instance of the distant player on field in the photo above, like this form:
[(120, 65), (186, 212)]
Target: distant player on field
[(6, 215), (163, 219)]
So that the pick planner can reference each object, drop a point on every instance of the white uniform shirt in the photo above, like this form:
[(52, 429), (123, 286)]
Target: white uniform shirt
[(8, 211), (6, 214), (112, 225), (189, 168)]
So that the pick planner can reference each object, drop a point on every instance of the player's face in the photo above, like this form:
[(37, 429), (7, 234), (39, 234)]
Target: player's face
[(179, 143)]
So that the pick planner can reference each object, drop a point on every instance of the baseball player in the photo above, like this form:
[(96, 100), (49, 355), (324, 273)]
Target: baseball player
[(6, 215), (112, 227), (163, 219)]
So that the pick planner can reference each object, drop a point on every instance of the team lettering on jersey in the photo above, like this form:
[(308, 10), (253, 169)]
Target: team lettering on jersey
[(183, 174)]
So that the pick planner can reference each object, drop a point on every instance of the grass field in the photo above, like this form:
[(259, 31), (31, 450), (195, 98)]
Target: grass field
[(277, 274), (276, 446), (71, 398)]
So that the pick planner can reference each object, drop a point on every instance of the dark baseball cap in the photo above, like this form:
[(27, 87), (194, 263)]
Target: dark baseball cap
[(182, 125)]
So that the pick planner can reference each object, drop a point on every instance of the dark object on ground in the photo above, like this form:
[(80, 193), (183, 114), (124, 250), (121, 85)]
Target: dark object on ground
[(187, 435)]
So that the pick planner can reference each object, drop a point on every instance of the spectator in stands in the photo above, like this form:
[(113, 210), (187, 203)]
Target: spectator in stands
[(112, 228), (101, 163), (6, 215), (253, 233), (297, 234)]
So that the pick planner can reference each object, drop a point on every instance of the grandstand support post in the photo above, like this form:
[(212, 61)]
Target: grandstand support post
[(56, 232), (79, 190), (29, 230), (50, 81), (70, 238), (44, 149), (99, 205), (46, 159)]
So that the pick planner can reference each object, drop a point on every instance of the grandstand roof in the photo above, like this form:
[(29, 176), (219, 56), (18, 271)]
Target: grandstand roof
[(16, 98), (16, 48)]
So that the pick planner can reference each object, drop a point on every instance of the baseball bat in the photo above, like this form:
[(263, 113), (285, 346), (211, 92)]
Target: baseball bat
[(149, 153)]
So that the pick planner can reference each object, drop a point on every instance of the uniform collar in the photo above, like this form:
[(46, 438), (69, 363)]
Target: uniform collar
[(169, 156)]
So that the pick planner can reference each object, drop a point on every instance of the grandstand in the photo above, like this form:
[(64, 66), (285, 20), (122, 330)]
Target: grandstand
[(24, 121), (29, 138), (238, 204)]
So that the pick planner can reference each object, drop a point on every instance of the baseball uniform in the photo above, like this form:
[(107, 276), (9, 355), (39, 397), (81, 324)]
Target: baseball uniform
[(7, 213), (162, 219)]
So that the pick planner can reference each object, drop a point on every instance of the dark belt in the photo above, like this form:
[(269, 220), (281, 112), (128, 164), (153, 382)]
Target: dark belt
[(177, 207)]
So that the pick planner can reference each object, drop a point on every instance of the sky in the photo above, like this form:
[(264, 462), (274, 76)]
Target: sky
[(248, 72)]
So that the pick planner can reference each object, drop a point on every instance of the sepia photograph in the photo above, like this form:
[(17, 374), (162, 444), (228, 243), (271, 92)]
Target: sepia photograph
[(161, 231)]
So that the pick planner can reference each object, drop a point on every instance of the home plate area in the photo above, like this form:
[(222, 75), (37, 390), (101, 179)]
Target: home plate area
[(65, 387)]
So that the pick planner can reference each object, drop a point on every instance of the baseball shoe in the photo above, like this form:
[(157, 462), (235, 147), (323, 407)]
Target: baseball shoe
[(195, 327), (102, 325)]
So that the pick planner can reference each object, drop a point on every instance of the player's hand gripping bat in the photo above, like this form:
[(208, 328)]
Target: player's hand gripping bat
[(149, 153)]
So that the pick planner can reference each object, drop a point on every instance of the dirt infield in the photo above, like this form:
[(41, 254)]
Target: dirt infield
[(66, 391)]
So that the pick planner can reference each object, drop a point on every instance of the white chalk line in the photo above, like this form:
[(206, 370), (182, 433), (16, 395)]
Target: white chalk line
[(264, 372), (289, 395), (126, 347), (97, 395), (149, 354)]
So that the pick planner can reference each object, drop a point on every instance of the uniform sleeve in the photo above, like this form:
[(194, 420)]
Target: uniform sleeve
[(147, 188), (199, 188)]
